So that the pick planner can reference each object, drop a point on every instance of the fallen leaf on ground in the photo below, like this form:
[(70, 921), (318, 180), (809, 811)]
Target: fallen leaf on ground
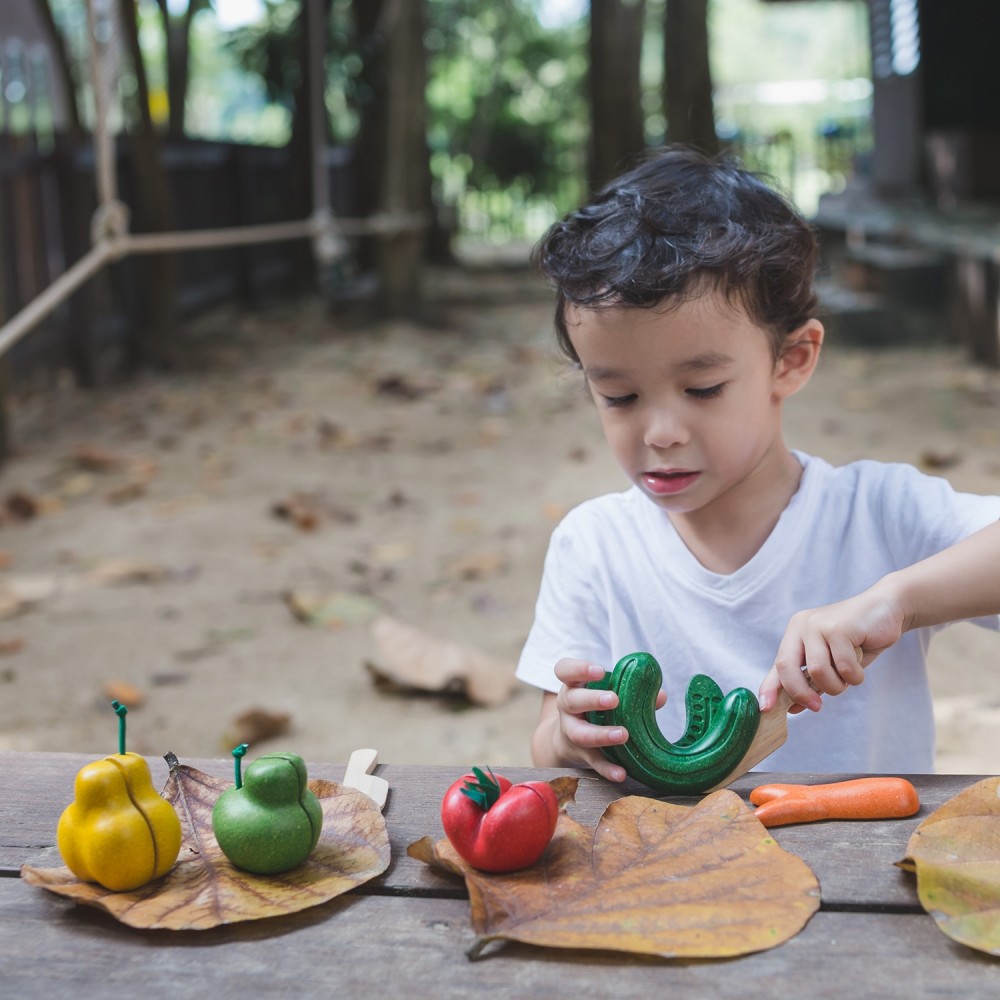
[(168, 677), (77, 485), (8, 647), (955, 853), (300, 511), (128, 694), (703, 881), (555, 511), (204, 890), (256, 725), (333, 610), (405, 387), (119, 572), (19, 593), (307, 511), (385, 553), (127, 492), (934, 460), (476, 566), (94, 458), (413, 659), (22, 506)]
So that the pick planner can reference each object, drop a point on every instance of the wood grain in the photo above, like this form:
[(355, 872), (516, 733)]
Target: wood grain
[(416, 947)]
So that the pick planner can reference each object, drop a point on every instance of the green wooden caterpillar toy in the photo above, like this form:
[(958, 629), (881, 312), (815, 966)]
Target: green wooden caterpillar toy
[(719, 729)]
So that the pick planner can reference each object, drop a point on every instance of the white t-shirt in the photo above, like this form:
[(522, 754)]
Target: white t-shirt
[(618, 579)]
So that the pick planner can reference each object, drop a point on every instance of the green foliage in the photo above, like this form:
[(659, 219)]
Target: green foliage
[(269, 50), (507, 118)]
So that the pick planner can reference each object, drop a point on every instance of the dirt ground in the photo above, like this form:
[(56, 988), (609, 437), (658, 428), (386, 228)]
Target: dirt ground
[(165, 541)]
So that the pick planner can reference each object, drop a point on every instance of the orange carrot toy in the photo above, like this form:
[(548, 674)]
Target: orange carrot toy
[(859, 798)]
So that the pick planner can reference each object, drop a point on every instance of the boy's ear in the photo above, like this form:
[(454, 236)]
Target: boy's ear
[(799, 358)]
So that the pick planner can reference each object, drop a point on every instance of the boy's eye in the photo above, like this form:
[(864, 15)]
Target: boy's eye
[(707, 393), (613, 401)]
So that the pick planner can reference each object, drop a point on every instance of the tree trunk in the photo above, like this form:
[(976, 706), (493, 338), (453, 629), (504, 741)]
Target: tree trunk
[(177, 31), (300, 180), (65, 74), (155, 340), (392, 157), (617, 133), (687, 77)]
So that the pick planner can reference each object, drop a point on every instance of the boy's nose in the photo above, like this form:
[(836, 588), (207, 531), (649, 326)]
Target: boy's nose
[(664, 430)]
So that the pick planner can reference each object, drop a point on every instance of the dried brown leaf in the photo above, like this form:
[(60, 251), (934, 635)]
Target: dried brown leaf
[(23, 506), (134, 489), (204, 890), (411, 658), (477, 565), (77, 485), (955, 853), (123, 691), (121, 572), (19, 593), (406, 387), (308, 511), (332, 610), (703, 881), (935, 460), (255, 725), (94, 458)]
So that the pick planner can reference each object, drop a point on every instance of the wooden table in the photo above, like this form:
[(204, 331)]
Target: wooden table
[(405, 934)]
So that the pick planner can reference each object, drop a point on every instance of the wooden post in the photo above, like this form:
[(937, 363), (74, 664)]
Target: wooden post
[(399, 252)]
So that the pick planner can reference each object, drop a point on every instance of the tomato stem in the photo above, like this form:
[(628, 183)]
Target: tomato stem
[(121, 711), (485, 790)]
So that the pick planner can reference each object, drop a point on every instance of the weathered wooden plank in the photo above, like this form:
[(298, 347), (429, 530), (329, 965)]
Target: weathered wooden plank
[(854, 862), (415, 947)]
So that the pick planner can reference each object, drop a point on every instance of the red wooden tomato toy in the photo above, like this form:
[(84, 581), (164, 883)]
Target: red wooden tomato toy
[(496, 826)]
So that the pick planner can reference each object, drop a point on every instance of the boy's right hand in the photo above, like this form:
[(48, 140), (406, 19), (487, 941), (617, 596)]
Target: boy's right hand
[(574, 741)]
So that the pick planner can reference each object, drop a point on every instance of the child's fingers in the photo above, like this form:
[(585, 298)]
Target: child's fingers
[(613, 772), (580, 700), (578, 673), (847, 660), (820, 668), (796, 681), (834, 662), (767, 693), (585, 734)]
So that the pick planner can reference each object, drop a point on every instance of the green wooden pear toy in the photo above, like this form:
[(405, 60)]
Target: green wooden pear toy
[(269, 822)]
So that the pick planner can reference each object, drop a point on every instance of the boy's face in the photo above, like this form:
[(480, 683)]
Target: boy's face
[(690, 399)]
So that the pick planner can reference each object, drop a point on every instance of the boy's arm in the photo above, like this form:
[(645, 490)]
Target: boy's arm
[(960, 582)]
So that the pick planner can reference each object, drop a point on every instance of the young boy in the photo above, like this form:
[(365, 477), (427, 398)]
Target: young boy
[(684, 295)]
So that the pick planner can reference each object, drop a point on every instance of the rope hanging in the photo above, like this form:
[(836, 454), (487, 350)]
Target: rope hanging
[(109, 228)]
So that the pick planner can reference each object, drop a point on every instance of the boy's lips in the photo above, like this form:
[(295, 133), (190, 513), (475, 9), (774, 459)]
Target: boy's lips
[(669, 481)]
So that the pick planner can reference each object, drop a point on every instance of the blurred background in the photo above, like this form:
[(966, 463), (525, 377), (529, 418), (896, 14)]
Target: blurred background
[(434, 131), (273, 365)]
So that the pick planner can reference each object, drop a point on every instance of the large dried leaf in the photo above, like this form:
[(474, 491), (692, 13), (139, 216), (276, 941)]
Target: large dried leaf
[(411, 658), (703, 881), (333, 610), (204, 890), (956, 854)]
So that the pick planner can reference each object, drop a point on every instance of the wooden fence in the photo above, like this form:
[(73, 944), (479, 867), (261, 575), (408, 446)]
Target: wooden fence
[(47, 199)]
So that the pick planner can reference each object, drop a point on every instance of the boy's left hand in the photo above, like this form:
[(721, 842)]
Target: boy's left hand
[(825, 650)]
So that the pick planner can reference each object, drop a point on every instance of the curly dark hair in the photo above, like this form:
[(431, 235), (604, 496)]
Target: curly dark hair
[(675, 226)]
